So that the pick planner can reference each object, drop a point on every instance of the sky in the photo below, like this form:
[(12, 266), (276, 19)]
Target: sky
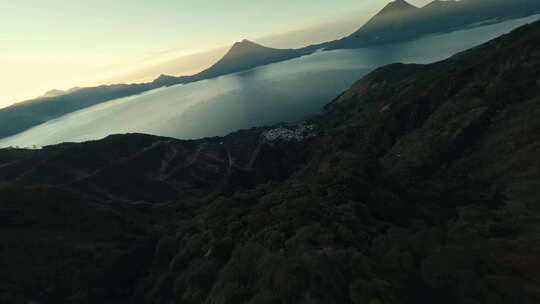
[(59, 44)]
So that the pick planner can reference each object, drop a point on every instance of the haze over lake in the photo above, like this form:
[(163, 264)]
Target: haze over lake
[(289, 91)]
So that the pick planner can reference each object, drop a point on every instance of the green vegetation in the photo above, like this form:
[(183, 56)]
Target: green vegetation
[(422, 187)]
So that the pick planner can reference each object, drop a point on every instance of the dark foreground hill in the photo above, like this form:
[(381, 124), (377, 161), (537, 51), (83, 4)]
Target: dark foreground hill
[(418, 185)]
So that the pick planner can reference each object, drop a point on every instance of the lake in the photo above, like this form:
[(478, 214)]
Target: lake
[(288, 91)]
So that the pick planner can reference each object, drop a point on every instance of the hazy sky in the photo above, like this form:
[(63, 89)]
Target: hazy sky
[(58, 44)]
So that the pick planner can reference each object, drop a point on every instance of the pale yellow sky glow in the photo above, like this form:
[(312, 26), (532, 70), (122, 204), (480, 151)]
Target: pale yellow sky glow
[(51, 47)]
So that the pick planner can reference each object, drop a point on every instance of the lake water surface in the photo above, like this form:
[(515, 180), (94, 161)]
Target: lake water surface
[(288, 91)]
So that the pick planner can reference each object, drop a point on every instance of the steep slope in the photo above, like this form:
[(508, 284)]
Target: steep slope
[(394, 17), (246, 55), (420, 186)]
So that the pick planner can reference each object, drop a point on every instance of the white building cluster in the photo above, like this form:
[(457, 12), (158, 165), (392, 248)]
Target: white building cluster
[(291, 133)]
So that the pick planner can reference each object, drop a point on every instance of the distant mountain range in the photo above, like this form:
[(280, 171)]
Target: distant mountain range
[(242, 56), (398, 21), (19, 117), (246, 55), (419, 184)]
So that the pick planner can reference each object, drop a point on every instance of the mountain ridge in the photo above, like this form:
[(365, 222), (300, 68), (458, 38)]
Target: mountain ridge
[(241, 56), (438, 16), (410, 22), (245, 55), (396, 6), (419, 184)]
